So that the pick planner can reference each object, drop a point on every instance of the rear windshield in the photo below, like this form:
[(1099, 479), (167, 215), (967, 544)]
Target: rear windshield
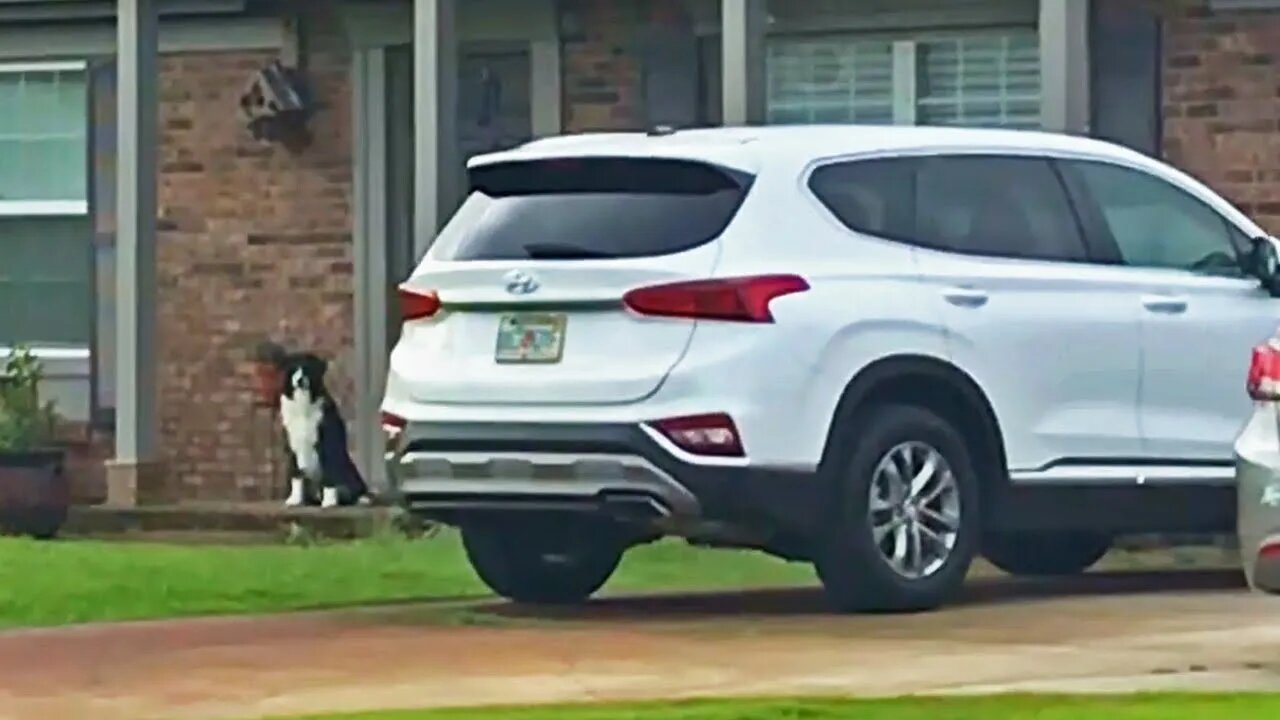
[(589, 208)]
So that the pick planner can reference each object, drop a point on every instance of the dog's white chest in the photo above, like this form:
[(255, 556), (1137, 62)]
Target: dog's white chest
[(301, 416)]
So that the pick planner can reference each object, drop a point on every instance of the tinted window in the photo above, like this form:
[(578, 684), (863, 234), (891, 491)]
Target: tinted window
[(1153, 223), (583, 208), (999, 206), (870, 196)]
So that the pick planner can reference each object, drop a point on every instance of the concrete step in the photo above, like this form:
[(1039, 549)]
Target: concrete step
[(251, 518)]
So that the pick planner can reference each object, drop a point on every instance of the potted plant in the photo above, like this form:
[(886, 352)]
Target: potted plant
[(34, 490)]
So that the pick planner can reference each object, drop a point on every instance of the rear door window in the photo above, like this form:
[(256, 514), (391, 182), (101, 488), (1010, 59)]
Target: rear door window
[(1014, 207), (591, 208)]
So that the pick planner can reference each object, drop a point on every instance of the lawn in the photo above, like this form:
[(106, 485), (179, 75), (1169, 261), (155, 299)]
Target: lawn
[(75, 581), (999, 707)]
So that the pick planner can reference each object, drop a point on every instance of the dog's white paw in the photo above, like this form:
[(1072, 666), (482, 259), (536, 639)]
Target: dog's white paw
[(330, 498), (297, 495)]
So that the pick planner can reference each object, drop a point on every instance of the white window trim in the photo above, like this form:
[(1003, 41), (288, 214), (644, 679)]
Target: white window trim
[(43, 208), (906, 54), (50, 352), (44, 66)]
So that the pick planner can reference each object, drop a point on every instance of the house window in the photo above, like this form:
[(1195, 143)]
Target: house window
[(44, 228), (978, 78), (830, 80), (987, 80)]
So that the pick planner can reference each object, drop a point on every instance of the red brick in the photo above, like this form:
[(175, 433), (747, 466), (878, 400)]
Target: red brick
[(1220, 119), (256, 243)]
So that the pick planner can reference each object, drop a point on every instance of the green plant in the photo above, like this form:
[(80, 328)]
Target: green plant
[(25, 423)]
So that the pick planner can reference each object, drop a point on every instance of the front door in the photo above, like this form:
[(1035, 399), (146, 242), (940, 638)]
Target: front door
[(494, 113), (1201, 315), (494, 103)]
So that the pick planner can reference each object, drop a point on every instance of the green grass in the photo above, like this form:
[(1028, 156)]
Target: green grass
[(55, 583), (998, 707)]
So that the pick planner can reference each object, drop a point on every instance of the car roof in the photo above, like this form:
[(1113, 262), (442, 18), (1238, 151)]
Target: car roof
[(745, 147)]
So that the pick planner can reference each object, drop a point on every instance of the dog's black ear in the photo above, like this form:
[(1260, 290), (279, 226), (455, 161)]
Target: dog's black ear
[(315, 365)]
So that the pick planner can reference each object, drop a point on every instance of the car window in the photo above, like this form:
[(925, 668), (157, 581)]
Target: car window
[(591, 208), (869, 196), (1013, 207), (1155, 224)]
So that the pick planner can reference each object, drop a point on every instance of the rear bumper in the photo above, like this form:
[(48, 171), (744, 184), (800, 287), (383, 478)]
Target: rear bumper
[(450, 469)]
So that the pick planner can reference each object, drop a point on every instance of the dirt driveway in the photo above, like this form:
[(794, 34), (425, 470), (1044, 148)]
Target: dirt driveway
[(1095, 633)]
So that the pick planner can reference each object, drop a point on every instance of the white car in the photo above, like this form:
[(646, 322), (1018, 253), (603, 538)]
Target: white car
[(883, 350), (1258, 472)]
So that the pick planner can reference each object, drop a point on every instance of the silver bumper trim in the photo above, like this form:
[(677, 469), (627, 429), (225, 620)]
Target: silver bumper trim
[(426, 479)]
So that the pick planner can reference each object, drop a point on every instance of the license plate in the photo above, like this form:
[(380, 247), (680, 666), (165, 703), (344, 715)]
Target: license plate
[(530, 338)]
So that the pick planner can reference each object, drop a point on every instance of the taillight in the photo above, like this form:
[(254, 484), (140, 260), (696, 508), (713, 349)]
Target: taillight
[(711, 434), (1269, 550), (1264, 372), (418, 304), (743, 299)]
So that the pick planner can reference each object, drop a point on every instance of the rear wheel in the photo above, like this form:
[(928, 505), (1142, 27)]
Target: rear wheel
[(1045, 553), (907, 516), (546, 562)]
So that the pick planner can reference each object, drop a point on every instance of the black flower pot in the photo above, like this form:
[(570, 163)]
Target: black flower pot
[(35, 492)]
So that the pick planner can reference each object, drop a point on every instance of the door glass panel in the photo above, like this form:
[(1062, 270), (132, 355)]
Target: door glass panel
[(1155, 224), (1018, 210)]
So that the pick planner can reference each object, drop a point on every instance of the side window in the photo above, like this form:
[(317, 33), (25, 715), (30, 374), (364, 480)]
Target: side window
[(1155, 224), (1013, 207), (868, 196)]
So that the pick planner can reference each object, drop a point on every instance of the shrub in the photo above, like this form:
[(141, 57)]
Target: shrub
[(25, 423)]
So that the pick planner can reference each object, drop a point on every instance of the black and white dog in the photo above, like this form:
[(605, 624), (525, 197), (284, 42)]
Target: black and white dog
[(316, 437)]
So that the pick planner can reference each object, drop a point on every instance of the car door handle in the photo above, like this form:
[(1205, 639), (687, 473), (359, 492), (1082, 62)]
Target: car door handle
[(1167, 304), (965, 297)]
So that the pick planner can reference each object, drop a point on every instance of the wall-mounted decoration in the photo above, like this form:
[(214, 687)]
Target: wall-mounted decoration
[(277, 107)]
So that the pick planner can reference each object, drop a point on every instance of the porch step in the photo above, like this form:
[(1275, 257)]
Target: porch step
[(266, 518)]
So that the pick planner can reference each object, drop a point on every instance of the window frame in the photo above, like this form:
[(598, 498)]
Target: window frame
[(67, 207), (916, 159), (1098, 231), (64, 208), (906, 47)]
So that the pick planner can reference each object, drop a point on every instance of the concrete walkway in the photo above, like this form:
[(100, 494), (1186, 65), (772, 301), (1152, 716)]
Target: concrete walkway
[(1097, 633)]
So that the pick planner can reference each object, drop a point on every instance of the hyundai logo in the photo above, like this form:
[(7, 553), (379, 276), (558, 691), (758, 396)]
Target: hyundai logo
[(521, 283)]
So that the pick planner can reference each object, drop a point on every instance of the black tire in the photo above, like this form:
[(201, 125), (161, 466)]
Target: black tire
[(1045, 554), (855, 573), (553, 562)]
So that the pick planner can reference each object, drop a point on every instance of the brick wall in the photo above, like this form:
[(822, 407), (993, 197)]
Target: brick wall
[(1222, 105), (254, 242), (602, 66)]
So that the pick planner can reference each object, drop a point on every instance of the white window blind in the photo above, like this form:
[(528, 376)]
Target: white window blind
[(991, 80), (830, 80), (43, 130), (985, 77)]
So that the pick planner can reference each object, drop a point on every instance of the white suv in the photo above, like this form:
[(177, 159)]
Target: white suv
[(879, 349)]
